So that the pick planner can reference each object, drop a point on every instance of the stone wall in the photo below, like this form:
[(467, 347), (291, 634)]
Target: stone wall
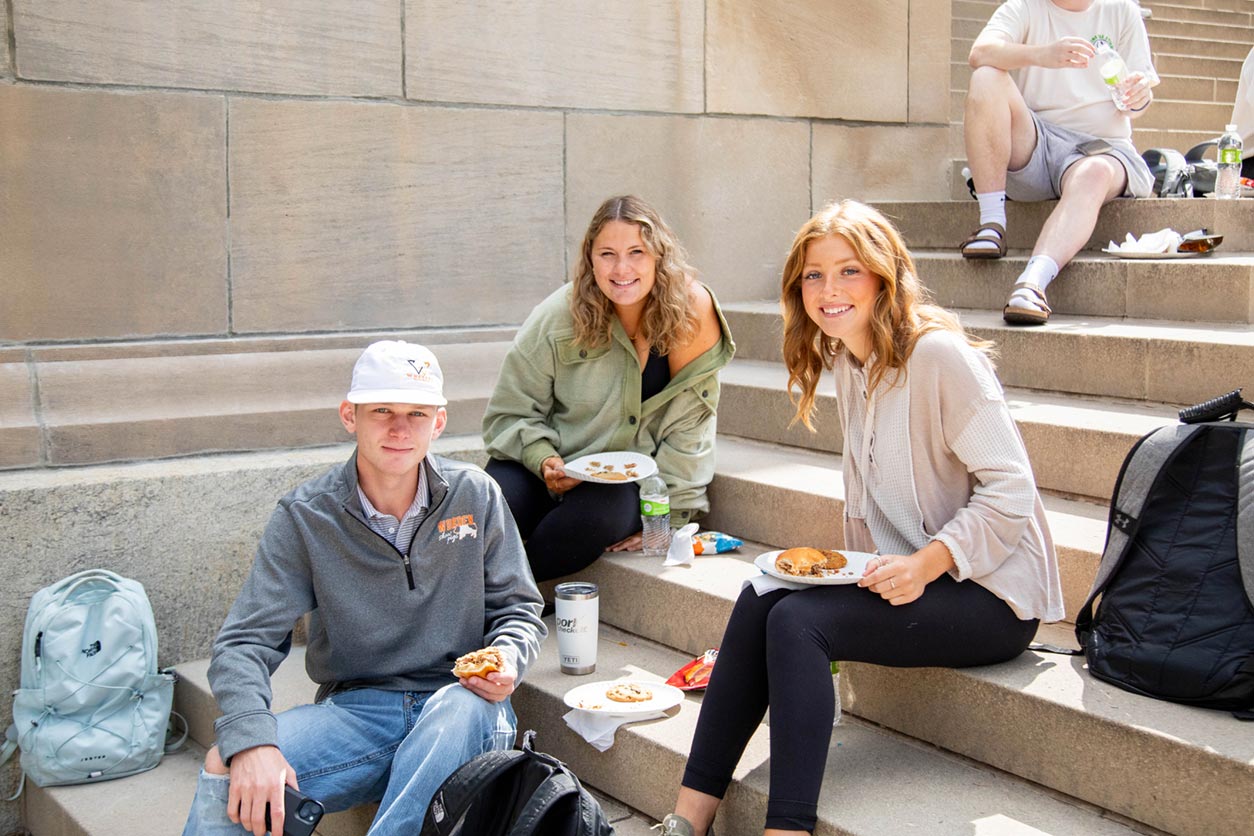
[(183, 169)]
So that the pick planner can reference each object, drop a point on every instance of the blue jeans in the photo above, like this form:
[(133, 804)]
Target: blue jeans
[(394, 747)]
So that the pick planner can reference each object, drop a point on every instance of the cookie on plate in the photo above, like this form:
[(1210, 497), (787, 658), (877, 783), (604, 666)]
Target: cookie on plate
[(629, 692)]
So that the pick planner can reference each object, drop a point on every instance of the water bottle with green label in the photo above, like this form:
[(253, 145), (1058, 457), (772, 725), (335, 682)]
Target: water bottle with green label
[(655, 514), (1228, 179), (1114, 71)]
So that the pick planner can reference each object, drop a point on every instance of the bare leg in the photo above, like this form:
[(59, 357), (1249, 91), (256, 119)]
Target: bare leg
[(1000, 135), (214, 764), (1086, 187), (697, 807), (997, 128)]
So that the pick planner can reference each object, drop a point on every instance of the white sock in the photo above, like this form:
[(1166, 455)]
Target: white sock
[(1041, 270), (992, 207), (992, 210)]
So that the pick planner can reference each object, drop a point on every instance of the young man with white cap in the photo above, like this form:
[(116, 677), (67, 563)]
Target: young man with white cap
[(404, 561)]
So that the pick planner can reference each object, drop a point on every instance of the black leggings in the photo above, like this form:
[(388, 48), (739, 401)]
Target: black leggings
[(778, 650), (568, 533)]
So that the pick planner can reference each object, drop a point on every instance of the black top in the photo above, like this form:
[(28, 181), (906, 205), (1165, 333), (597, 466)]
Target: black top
[(655, 375)]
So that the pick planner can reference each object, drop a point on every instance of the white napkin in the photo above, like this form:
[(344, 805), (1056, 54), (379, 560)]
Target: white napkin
[(680, 552), (765, 583), (598, 729), (1162, 241)]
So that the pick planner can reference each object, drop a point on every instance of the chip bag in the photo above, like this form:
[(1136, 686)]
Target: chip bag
[(714, 542), (696, 674)]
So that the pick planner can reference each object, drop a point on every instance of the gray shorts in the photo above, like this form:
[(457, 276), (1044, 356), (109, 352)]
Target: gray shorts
[(1056, 150)]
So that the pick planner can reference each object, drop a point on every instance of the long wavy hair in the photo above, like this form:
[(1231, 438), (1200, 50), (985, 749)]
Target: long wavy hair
[(903, 310), (668, 321)]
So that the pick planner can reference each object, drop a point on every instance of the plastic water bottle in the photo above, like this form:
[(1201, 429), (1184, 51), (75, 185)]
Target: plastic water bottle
[(1113, 70), (655, 515), (1228, 180)]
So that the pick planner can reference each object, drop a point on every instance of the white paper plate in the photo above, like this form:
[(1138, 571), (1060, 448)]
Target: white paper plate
[(1121, 254), (852, 573), (587, 468), (591, 697)]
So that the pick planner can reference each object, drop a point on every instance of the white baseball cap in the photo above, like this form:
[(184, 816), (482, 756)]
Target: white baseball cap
[(394, 371)]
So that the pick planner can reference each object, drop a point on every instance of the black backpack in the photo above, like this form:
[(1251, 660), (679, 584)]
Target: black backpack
[(519, 792), (1177, 574)]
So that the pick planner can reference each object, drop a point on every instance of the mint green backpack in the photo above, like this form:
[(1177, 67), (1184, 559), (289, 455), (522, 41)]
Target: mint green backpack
[(92, 705)]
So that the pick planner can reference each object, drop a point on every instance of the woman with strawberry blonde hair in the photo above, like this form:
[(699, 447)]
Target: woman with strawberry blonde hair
[(937, 484)]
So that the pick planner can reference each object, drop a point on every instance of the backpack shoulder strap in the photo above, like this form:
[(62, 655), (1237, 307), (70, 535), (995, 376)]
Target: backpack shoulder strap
[(557, 787), (1140, 471), (463, 787), (1170, 172), (1245, 514)]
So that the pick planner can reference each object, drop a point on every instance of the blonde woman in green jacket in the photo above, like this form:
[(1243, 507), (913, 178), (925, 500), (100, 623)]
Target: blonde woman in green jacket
[(624, 357)]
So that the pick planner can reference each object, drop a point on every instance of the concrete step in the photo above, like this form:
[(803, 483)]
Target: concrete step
[(1215, 288), (1170, 114), (1170, 11), (1198, 89), (785, 496), (1204, 62), (1076, 444), (942, 225), (153, 803), (126, 401), (1242, 6), (644, 765), (1132, 359), (1040, 716), (1214, 28)]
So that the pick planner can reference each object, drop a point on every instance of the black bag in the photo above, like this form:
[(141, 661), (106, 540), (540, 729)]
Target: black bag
[(519, 792), (1177, 574)]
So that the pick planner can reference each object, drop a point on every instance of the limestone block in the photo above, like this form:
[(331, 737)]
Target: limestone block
[(311, 47), (734, 190), (6, 61), (880, 162), (19, 428), (928, 62), (353, 215), (810, 58), (147, 407), (113, 209), (617, 55)]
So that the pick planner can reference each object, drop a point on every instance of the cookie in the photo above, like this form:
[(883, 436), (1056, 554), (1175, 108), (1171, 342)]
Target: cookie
[(629, 692)]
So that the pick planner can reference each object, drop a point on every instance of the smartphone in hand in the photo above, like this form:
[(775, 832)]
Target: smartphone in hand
[(302, 813)]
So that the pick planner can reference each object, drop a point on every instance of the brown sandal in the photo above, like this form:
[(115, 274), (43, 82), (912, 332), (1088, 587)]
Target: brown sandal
[(1015, 315), (984, 252)]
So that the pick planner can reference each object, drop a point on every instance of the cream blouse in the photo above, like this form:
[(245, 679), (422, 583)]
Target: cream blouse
[(934, 455)]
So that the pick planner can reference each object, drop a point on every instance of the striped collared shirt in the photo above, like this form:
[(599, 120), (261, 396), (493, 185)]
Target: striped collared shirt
[(399, 533)]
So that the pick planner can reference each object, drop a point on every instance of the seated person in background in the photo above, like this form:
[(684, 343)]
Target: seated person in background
[(1243, 115), (937, 482), (625, 357), (404, 562), (1053, 130)]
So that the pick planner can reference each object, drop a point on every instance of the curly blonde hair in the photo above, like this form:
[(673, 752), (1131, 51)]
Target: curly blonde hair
[(903, 310), (668, 321)]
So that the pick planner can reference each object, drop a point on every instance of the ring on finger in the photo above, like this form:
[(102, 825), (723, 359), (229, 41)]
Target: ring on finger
[(892, 583)]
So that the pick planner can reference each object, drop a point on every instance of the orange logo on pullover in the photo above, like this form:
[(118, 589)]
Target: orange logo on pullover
[(453, 529)]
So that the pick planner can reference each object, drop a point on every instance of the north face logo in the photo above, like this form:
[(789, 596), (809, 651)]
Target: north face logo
[(91, 649)]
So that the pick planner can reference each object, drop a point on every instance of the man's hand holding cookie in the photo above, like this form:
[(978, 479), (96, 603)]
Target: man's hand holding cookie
[(489, 673)]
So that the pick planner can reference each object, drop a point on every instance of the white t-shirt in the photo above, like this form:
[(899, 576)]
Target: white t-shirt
[(1243, 110), (1076, 98)]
